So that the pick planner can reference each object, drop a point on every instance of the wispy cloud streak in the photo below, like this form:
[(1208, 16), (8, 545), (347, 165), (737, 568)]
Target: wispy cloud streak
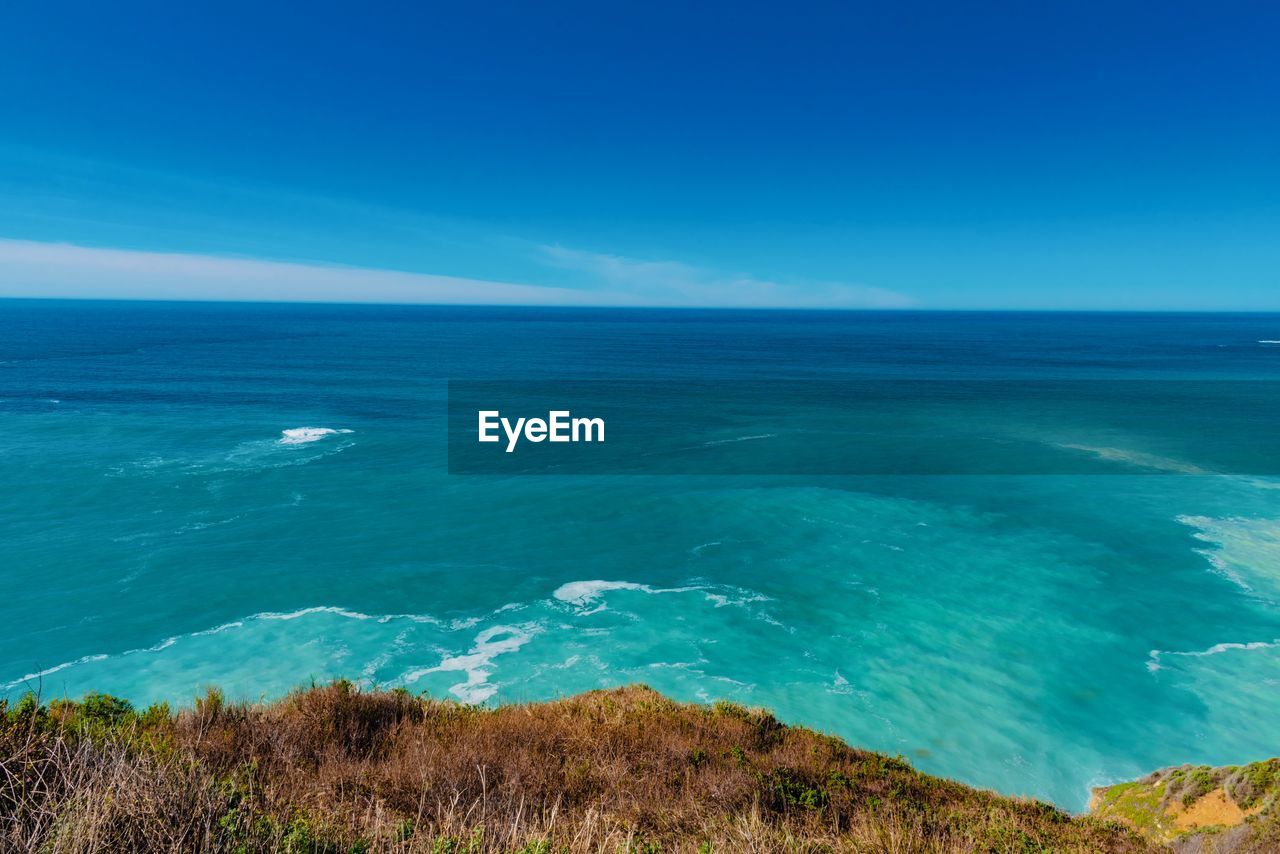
[(678, 283), (39, 269), (34, 269)]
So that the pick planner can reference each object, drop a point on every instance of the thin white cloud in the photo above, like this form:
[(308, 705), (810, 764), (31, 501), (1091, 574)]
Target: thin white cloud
[(677, 283), (35, 269), (38, 269)]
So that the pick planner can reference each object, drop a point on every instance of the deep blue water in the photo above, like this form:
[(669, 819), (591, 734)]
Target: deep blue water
[(1036, 633)]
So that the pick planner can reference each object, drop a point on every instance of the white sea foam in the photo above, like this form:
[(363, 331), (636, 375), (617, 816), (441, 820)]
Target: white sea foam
[(1244, 550), (304, 435), (223, 627), (733, 596), (752, 438), (581, 594), (1268, 341), (584, 594), (1153, 659), (332, 645), (264, 453), (318, 609), (39, 674), (1167, 464), (477, 663), (1139, 458), (586, 597)]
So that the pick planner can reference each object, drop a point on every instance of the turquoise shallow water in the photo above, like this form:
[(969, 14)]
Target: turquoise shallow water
[(167, 523)]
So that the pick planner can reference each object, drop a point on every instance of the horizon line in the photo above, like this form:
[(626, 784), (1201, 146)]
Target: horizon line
[(631, 308)]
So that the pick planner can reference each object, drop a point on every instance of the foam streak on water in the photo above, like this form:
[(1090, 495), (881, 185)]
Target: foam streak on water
[(303, 435)]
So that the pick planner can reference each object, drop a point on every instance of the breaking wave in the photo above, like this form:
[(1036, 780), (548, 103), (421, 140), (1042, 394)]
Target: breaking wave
[(304, 435)]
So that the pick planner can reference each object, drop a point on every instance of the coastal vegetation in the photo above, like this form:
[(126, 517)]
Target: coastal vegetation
[(1201, 808), (337, 769)]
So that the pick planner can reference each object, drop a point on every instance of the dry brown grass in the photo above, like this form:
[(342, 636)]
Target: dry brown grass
[(335, 769)]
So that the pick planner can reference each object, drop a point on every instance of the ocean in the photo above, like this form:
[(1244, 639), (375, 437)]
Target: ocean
[(259, 496)]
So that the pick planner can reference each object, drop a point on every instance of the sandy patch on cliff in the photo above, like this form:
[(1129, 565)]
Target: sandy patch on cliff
[(1213, 809)]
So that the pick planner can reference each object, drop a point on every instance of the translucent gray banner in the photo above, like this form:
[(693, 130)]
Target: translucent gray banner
[(865, 427)]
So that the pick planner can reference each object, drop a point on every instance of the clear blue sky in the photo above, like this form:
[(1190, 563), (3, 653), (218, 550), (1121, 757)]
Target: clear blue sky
[(967, 155)]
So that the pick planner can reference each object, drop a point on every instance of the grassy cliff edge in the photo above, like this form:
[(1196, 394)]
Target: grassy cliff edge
[(1193, 808), (337, 769)]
